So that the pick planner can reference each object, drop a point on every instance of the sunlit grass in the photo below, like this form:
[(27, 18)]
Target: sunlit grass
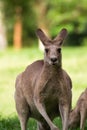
[(13, 62), (75, 62)]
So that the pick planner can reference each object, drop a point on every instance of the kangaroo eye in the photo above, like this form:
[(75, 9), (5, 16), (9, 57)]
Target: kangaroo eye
[(59, 50), (46, 50)]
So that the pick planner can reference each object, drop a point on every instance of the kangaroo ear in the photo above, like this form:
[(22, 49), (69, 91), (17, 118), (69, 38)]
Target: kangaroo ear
[(61, 36), (42, 36)]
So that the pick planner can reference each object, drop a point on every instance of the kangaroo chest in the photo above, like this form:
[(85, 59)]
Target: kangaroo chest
[(53, 88)]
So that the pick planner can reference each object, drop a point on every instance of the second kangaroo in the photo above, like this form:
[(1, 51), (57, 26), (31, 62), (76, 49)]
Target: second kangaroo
[(44, 89), (78, 115)]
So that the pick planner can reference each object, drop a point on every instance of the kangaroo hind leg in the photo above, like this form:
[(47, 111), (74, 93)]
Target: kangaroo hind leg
[(22, 110), (83, 118)]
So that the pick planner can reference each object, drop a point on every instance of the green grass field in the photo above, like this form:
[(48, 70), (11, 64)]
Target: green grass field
[(13, 62)]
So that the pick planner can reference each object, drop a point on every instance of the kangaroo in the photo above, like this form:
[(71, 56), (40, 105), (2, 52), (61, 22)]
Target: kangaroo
[(78, 115), (44, 89)]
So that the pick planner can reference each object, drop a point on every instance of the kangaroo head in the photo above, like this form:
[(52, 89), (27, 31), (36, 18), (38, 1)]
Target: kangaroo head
[(52, 53)]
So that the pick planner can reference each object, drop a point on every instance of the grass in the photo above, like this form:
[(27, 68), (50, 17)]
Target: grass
[(13, 62)]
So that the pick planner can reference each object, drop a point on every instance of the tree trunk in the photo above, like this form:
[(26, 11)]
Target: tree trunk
[(17, 38)]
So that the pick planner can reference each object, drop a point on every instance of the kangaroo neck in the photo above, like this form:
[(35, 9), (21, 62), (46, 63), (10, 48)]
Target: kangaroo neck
[(51, 69)]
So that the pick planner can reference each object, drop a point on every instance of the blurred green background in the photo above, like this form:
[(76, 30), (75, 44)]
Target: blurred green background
[(23, 17), (19, 47)]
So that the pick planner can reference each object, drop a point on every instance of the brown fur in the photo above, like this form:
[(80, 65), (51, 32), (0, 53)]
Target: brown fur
[(78, 115), (43, 90)]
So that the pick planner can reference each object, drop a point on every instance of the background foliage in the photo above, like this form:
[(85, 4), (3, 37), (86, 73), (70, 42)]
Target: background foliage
[(51, 16)]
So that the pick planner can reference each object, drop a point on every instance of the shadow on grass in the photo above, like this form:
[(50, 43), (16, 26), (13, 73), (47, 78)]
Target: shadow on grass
[(12, 123), (9, 123)]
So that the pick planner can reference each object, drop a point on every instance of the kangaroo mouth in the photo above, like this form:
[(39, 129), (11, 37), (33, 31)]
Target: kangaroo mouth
[(57, 63), (54, 63)]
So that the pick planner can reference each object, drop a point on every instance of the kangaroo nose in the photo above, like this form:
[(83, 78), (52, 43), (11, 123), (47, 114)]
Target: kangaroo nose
[(53, 59)]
